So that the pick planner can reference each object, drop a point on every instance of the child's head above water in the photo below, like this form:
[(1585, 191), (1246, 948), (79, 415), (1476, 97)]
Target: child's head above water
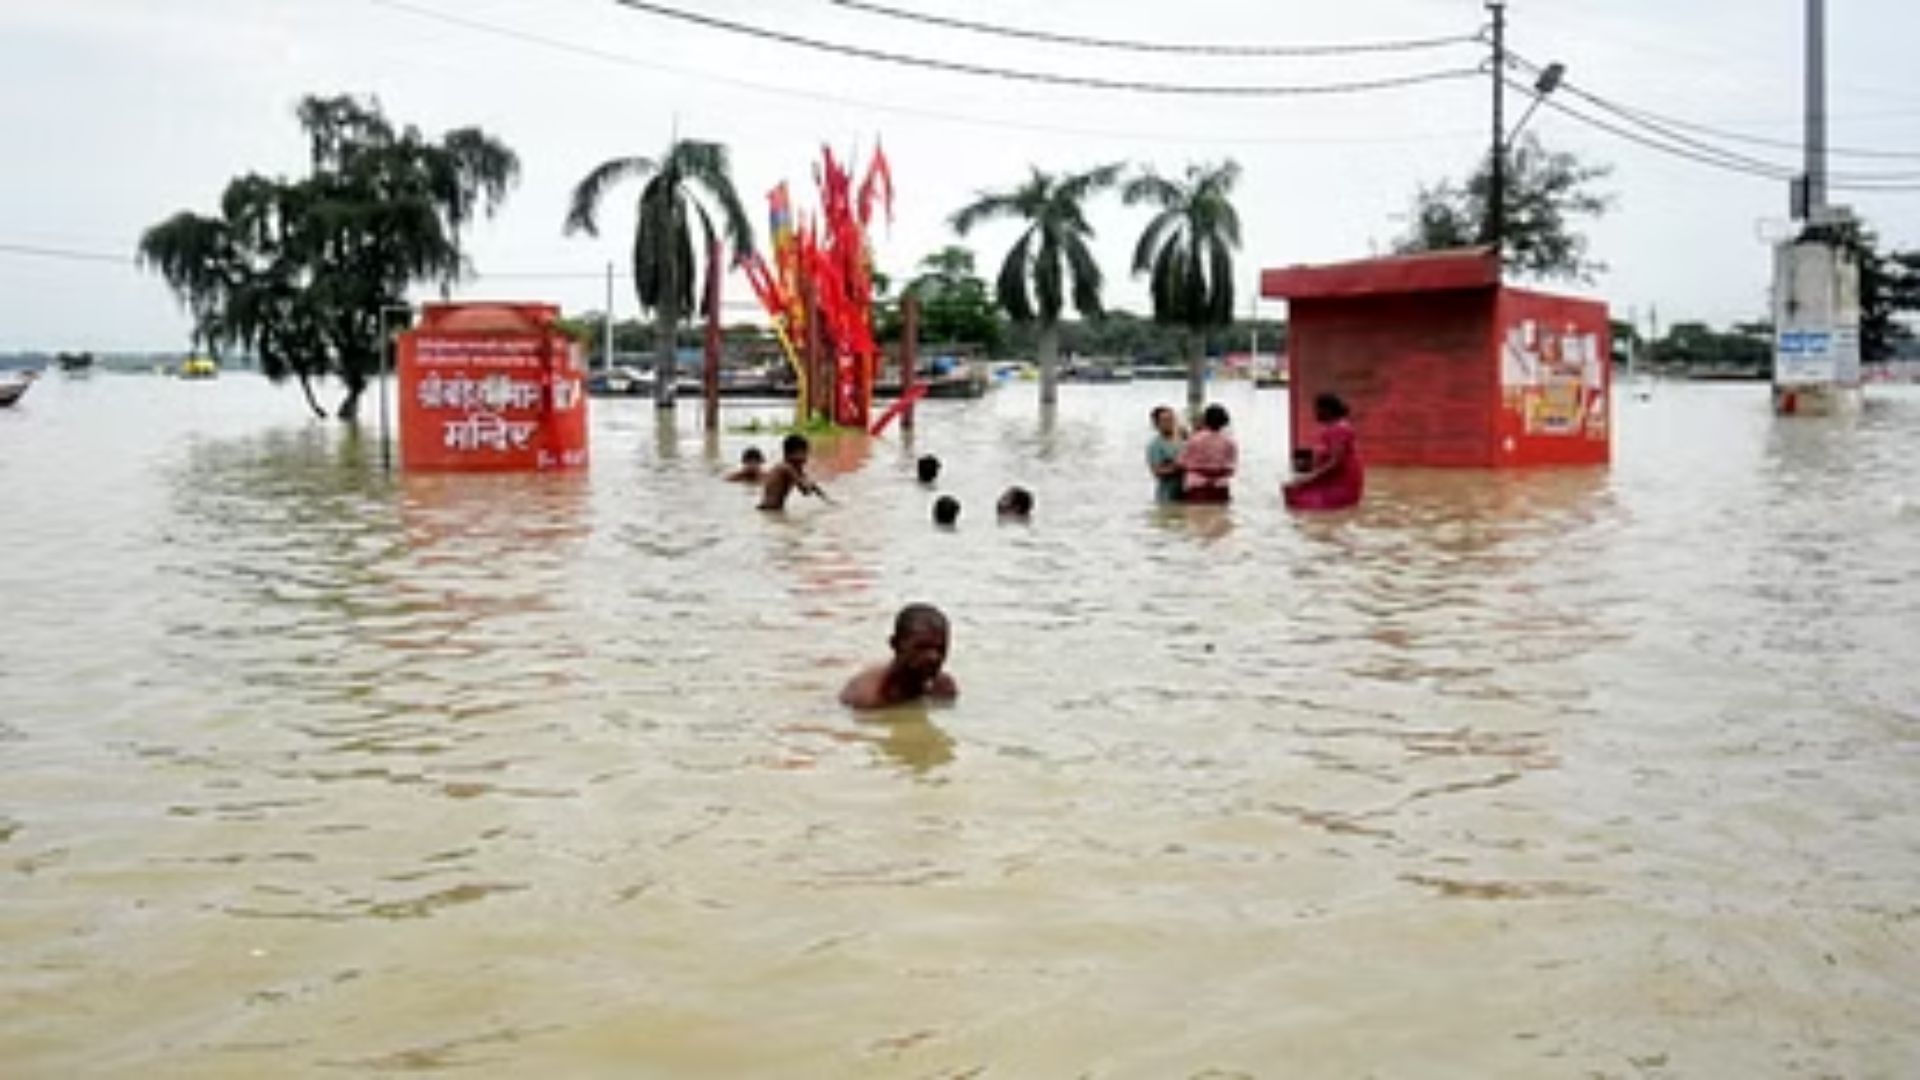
[(752, 458), (1165, 420), (946, 510), (1215, 418), (928, 467), (794, 449), (1328, 409)]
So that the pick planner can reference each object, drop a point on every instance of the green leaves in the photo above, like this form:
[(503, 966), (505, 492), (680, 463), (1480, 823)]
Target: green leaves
[(1052, 255), (1186, 250), (1547, 193), (299, 271), (692, 180)]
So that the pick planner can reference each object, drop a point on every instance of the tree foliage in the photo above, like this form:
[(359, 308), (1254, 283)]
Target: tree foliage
[(955, 306), (301, 272), (1548, 194), (1889, 288), (692, 182), (1186, 251), (1052, 258)]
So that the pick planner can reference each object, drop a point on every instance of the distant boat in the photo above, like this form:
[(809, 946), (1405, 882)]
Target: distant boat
[(11, 392), (75, 363), (198, 367)]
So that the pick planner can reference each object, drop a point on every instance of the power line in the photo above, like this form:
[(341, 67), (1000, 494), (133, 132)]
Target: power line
[(1085, 82), (71, 254), (1684, 139), (1715, 159), (790, 94), (1658, 121), (1119, 44), (1775, 169)]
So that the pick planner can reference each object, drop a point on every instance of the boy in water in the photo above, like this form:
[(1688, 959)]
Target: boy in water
[(1163, 456), (928, 468), (919, 652), (1210, 459), (789, 476), (753, 468)]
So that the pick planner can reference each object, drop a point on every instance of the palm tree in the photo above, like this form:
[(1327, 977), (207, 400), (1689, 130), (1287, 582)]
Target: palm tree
[(664, 260), (471, 172), (1187, 253), (1052, 254)]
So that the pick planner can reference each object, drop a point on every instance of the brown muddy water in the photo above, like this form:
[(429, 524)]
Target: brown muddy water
[(307, 771)]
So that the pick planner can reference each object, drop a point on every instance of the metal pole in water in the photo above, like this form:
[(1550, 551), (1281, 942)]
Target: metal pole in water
[(386, 366)]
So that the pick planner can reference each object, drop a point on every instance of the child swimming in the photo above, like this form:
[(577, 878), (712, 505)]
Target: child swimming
[(753, 467)]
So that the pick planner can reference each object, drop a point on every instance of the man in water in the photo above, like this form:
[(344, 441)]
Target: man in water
[(928, 468), (789, 476), (752, 470), (946, 511), (919, 652), (1163, 456)]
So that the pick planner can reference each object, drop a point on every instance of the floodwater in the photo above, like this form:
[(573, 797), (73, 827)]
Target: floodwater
[(305, 770)]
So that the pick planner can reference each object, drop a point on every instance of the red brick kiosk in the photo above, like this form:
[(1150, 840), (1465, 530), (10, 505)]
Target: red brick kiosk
[(1443, 365)]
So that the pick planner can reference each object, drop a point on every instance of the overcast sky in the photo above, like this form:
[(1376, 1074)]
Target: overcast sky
[(119, 112)]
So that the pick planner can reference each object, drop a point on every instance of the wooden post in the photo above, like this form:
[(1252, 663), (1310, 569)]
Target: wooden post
[(711, 376), (819, 374), (909, 353)]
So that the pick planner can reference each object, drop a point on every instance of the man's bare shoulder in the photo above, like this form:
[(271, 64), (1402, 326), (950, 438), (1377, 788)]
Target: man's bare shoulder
[(866, 690)]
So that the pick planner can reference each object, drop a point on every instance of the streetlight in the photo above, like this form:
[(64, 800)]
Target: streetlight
[(1549, 81)]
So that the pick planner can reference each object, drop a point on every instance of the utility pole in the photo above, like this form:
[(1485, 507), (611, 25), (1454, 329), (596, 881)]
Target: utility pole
[(1496, 230), (1816, 147), (1816, 277)]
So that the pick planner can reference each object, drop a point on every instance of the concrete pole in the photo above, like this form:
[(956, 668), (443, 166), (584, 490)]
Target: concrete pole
[(1816, 108), (909, 352), (1496, 231), (606, 346)]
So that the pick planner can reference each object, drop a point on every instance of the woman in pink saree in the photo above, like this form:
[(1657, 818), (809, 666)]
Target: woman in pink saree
[(1336, 478)]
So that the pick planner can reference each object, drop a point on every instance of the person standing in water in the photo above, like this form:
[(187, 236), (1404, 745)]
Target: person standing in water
[(1210, 459), (919, 642), (1163, 456), (1336, 477)]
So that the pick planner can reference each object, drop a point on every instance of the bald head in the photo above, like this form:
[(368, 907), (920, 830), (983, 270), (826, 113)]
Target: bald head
[(916, 618)]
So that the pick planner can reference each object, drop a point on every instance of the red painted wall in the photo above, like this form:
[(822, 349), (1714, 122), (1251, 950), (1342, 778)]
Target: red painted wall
[(489, 388), (1413, 367)]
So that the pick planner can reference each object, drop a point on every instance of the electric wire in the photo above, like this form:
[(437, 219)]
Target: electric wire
[(1089, 41), (1084, 82)]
